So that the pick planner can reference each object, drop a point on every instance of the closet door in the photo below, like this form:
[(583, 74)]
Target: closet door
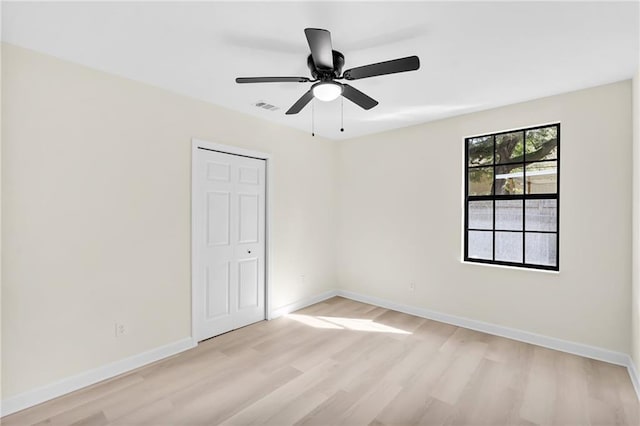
[(229, 237)]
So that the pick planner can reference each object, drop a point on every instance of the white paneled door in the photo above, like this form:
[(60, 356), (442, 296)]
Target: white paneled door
[(229, 242)]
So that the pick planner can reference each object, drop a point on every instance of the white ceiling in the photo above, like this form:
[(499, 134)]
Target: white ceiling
[(473, 56)]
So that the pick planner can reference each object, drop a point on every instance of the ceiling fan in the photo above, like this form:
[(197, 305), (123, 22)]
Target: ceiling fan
[(326, 65)]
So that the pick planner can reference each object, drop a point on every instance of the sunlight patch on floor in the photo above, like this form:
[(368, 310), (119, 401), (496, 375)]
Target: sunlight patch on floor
[(313, 321), (338, 323)]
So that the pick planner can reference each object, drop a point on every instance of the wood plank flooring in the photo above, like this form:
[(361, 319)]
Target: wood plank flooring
[(344, 362)]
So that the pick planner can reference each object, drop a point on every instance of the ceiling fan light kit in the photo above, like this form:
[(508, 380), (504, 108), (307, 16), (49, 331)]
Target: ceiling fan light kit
[(325, 65), (326, 91)]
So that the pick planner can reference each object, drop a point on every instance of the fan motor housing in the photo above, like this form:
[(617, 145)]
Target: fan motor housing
[(324, 74)]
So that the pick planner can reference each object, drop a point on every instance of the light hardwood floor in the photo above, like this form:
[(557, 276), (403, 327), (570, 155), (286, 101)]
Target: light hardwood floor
[(344, 362)]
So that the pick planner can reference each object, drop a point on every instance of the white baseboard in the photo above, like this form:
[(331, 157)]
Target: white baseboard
[(65, 386), (302, 303), (580, 349), (635, 378), (587, 351)]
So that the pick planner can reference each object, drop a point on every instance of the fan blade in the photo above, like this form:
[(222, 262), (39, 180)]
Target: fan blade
[(321, 49), (410, 63), (300, 103), (272, 80), (357, 97)]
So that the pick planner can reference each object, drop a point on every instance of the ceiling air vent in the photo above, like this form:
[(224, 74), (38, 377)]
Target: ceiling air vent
[(266, 105)]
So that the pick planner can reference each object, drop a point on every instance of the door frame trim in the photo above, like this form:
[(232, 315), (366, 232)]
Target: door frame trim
[(233, 150)]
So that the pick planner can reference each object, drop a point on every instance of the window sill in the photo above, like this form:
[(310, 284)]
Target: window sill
[(517, 268)]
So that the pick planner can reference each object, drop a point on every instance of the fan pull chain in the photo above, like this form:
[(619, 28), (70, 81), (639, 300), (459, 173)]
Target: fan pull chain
[(313, 124), (342, 113)]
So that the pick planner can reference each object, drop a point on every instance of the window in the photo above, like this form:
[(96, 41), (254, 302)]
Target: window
[(512, 198)]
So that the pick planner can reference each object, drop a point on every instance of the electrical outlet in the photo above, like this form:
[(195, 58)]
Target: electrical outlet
[(412, 287), (121, 329), (303, 279)]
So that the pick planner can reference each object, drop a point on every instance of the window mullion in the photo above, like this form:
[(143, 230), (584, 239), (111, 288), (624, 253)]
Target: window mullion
[(493, 203), (525, 192)]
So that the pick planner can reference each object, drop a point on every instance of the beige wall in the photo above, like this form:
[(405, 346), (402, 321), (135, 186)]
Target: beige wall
[(635, 292), (96, 213), (400, 220)]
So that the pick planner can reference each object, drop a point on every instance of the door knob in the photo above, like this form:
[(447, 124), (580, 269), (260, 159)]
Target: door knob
[(249, 251)]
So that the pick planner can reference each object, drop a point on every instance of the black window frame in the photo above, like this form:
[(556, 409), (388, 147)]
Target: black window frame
[(524, 197)]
